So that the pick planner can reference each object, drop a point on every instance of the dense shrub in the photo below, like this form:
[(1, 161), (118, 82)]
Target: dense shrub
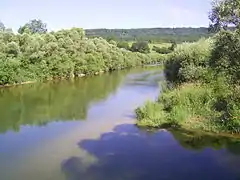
[(206, 79), (225, 55), (61, 54), (206, 107), (141, 47), (165, 50), (162, 50), (189, 62), (123, 44), (206, 93), (173, 46)]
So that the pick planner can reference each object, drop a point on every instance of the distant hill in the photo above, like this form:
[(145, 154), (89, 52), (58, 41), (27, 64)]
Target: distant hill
[(153, 34)]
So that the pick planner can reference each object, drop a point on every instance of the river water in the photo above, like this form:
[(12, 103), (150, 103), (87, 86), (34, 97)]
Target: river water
[(84, 129)]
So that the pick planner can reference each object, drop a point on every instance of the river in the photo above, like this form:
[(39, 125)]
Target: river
[(84, 129)]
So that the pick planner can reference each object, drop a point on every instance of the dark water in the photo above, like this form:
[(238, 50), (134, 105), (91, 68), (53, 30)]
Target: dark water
[(84, 130)]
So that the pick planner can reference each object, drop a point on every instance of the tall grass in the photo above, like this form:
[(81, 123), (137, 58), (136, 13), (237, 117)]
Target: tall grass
[(190, 106), (202, 98)]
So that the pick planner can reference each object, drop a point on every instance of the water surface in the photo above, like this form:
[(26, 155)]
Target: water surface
[(84, 129)]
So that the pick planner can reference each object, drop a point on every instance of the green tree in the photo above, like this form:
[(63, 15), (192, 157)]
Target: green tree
[(67, 53), (173, 45), (13, 49), (224, 14), (111, 38), (123, 44), (141, 47), (33, 26), (2, 27), (225, 55), (162, 50)]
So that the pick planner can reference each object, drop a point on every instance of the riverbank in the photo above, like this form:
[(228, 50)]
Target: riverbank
[(160, 65), (63, 54), (86, 127), (204, 94), (68, 100), (190, 107)]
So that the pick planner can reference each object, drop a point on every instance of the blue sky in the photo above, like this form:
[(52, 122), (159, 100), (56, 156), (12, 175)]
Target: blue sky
[(60, 14)]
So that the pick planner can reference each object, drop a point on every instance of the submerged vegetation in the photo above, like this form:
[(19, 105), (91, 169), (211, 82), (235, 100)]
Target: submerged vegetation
[(203, 89), (34, 54)]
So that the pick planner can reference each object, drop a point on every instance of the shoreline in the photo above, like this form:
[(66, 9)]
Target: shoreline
[(191, 131), (76, 76), (183, 108), (17, 84)]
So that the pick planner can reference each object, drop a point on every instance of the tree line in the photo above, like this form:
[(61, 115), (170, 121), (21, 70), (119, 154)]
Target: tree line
[(203, 90), (151, 34), (34, 54)]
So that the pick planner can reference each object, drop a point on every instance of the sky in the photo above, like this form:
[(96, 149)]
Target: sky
[(90, 14)]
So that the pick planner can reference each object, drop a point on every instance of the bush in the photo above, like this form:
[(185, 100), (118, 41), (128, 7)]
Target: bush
[(193, 106), (163, 50), (205, 94), (189, 62), (123, 44), (62, 54), (206, 80), (225, 55), (173, 46), (141, 47)]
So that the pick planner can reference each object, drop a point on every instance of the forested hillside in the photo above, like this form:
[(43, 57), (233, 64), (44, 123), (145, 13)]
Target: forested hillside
[(151, 34)]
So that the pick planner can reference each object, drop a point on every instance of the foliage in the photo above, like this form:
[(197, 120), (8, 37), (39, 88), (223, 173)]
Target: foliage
[(61, 54), (123, 44), (206, 94), (224, 13), (193, 106), (225, 55), (206, 75), (173, 46), (162, 50), (151, 35), (2, 27), (151, 115), (33, 26), (189, 62), (141, 47)]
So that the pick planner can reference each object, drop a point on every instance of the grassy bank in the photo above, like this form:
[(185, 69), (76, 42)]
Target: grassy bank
[(205, 91), (192, 106), (31, 57)]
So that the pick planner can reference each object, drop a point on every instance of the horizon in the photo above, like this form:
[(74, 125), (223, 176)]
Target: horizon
[(149, 28), (124, 14), (120, 14)]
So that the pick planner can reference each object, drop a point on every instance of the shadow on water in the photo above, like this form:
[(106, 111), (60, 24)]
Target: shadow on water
[(130, 153)]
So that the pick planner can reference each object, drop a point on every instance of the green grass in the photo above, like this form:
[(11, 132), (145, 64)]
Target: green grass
[(189, 106), (203, 96)]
